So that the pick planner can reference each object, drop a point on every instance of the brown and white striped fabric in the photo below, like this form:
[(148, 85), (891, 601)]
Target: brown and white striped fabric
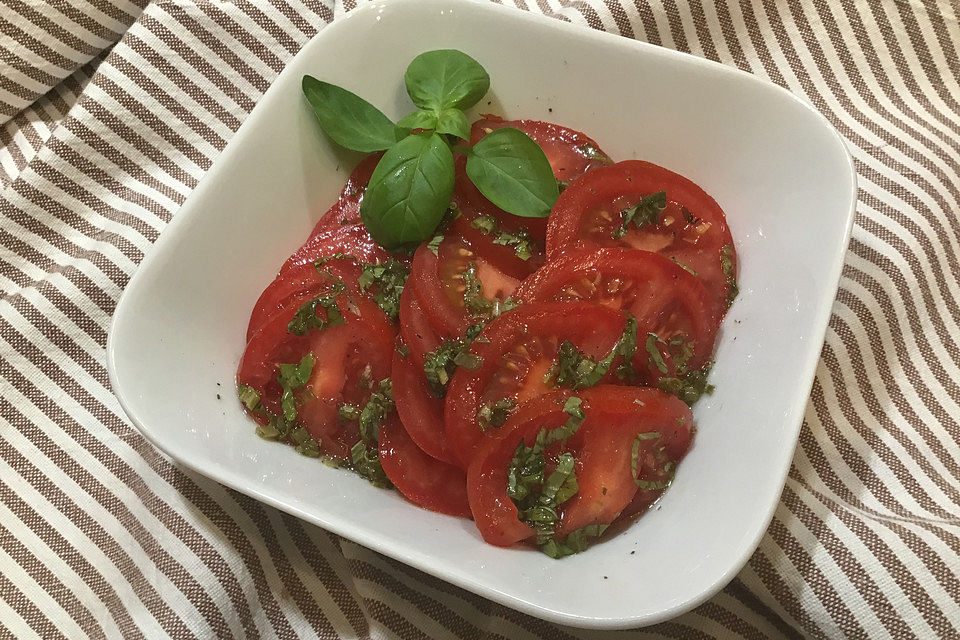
[(111, 111)]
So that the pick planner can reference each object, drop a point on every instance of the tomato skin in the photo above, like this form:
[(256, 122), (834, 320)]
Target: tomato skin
[(346, 210), (581, 219), (538, 328), (417, 333), (423, 480), (419, 409), (352, 239), (605, 476), (438, 282), (341, 352), (299, 284), (602, 447), (664, 298), (565, 148)]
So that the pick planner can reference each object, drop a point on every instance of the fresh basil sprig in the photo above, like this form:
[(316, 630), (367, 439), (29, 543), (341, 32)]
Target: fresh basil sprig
[(411, 187)]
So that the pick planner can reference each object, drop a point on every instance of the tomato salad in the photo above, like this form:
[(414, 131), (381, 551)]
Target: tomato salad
[(528, 356)]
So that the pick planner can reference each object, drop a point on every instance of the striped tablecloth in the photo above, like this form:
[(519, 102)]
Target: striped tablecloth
[(111, 111)]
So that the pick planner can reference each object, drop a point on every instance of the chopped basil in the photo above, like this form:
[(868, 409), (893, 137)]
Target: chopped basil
[(306, 317), (562, 185), (305, 444), (366, 464), (536, 497), (689, 217), (492, 415), (655, 358), (373, 413), (726, 263), (293, 377), (348, 412), (520, 240), (439, 365), (576, 370), (683, 266), (434, 244), (576, 541), (319, 264), (689, 388), (389, 278), (591, 152), (681, 348), (644, 212), (473, 291), (403, 349), (248, 396)]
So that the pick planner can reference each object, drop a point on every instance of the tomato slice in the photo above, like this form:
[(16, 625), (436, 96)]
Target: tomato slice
[(440, 282), (417, 333), (602, 448), (347, 359), (350, 239), (570, 152), (346, 210), (423, 480), (691, 229), (515, 355), (419, 409), (298, 284), (666, 300)]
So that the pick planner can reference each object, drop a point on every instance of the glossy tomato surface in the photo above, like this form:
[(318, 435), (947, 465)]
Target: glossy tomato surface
[(666, 300), (420, 410), (423, 480), (602, 447), (691, 229), (515, 355), (347, 358)]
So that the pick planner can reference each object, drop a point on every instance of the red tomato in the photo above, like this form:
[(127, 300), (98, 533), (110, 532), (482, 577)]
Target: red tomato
[(570, 153), (423, 480), (344, 355), (691, 230), (517, 351), (346, 210), (602, 448), (419, 409), (666, 300), (417, 333), (439, 282), (351, 239), (297, 285)]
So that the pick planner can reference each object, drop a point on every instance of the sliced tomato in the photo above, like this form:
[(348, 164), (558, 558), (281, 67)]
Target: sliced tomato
[(439, 282), (666, 300), (351, 239), (346, 210), (570, 153), (691, 229), (419, 409), (346, 358), (602, 448), (299, 284), (417, 333), (516, 353), (423, 480)]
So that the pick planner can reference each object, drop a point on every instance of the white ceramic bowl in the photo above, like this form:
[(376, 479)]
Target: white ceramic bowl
[(777, 167)]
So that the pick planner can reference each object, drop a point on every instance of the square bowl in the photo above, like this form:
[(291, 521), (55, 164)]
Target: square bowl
[(779, 170)]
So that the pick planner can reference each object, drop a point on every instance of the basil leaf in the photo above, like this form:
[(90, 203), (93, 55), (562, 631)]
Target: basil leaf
[(690, 387), (453, 122), (726, 264), (439, 364), (423, 119), (291, 378), (409, 191), (445, 79), (647, 211), (520, 240), (654, 357), (366, 464), (512, 171), (350, 120), (576, 541), (492, 415)]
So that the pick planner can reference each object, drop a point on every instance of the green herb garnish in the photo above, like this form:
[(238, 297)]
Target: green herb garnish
[(690, 387), (683, 266), (520, 240), (644, 212), (411, 187), (492, 415), (726, 263), (439, 365), (366, 464), (306, 317), (576, 541), (291, 378), (576, 370), (654, 357), (389, 277), (536, 497)]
